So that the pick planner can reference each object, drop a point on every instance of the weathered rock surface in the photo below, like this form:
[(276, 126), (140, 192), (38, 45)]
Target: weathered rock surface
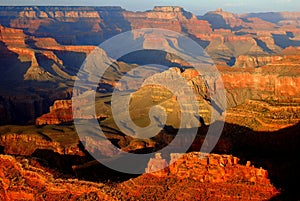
[(264, 116), (60, 112), (19, 179), (27, 144), (22, 181), (213, 177)]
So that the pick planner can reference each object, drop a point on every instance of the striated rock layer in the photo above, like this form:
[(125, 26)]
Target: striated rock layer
[(265, 115), (60, 112), (45, 46)]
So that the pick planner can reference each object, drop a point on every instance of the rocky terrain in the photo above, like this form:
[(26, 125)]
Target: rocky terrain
[(264, 116), (21, 179), (191, 177), (45, 46), (257, 56)]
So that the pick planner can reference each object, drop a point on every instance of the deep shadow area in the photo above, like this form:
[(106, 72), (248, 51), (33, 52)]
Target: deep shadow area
[(285, 41), (80, 167), (11, 67), (231, 61), (71, 60), (263, 45), (145, 57), (216, 21), (83, 31), (273, 17)]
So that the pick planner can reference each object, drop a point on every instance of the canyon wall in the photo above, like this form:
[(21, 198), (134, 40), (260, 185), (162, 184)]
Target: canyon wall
[(40, 57)]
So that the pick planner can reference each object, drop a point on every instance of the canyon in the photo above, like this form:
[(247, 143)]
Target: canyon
[(257, 58)]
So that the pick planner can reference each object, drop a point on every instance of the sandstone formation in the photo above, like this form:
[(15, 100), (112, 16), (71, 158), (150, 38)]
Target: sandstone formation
[(60, 112), (213, 177), (26, 145), (22, 181)]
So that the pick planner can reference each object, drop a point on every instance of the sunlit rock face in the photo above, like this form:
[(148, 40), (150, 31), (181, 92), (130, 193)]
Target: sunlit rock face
[(33, 183), (195, 177)]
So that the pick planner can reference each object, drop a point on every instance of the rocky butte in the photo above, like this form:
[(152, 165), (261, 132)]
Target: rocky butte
[(211, 177)]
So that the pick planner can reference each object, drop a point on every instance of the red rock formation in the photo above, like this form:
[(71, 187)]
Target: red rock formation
[(222, 178), (60, 112), (20, 180), (15, 40), (213, 177), (27, 144)]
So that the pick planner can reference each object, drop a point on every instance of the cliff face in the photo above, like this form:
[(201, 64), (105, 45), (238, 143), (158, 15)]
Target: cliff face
[(61, 112), (258, 86), (93, 25), (245, 61), (172, 18), (86, 22)]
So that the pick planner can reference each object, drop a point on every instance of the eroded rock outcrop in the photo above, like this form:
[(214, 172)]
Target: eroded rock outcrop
[(269, 115), (168, 17), (27, 144), (20, 180), (60, 112), (195, 177)]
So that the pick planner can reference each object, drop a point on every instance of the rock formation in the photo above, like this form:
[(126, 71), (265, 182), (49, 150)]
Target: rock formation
[(20, 180), (43, 48), (157, 166), (264, 116), (27, 144), (60, 112), (36, 50), (211, 177)]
